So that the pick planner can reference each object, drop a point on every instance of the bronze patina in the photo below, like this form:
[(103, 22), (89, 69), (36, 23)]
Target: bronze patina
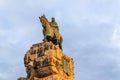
[(51, 31)]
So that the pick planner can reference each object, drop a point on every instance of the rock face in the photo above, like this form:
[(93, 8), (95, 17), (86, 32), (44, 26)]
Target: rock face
[(45, 61)]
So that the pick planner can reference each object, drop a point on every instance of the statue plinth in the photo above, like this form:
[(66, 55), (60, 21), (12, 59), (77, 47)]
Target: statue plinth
[(45, 61)]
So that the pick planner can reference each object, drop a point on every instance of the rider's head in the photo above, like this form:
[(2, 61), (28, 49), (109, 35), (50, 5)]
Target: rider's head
[(53, 19)]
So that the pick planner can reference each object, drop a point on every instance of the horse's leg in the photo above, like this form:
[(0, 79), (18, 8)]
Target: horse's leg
[(60, 45), (45, 38), (60, 42), (44, 34), (48, 38)]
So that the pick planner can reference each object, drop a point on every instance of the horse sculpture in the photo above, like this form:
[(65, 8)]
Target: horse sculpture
[(49, 34)]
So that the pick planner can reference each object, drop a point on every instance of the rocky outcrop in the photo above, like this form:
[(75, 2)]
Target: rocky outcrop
[(45, 61)]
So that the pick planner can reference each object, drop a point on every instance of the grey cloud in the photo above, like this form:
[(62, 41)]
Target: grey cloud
[(91, 50)]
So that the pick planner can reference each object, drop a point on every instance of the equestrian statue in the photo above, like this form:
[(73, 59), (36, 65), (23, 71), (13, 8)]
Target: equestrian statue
[(51, 31)]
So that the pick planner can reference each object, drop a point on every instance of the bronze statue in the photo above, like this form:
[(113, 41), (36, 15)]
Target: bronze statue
[(51, 31)]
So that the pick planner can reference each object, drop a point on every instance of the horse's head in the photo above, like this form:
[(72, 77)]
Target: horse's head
[(43, 20)]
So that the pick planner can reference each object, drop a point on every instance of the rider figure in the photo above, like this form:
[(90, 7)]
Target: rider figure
[(54, 25)]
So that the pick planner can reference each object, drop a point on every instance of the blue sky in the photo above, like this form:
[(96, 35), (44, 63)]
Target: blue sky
[(90, 28)]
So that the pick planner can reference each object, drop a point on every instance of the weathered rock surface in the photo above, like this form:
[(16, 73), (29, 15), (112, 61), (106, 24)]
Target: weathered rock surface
[(45, 61)]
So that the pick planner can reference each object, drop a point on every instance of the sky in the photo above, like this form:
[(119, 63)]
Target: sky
[(90, 30)]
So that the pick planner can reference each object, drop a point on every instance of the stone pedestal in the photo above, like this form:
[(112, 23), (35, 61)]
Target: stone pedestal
[(45, 61)]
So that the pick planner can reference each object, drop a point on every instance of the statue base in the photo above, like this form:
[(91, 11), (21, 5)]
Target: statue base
[(45, 61)]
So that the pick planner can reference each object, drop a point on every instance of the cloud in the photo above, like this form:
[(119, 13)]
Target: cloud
[(116, 36)]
